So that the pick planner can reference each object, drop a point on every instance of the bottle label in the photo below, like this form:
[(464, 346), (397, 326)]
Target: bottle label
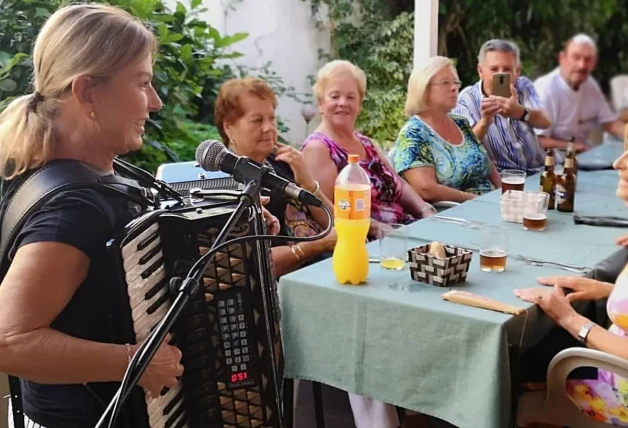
[(353, 204), (561, 194), (569, 163), (549, 161)]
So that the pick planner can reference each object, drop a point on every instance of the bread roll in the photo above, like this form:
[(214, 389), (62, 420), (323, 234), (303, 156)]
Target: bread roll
[(437, 250)]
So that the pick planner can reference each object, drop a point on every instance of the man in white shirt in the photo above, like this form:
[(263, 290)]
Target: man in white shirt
[(574, 100)]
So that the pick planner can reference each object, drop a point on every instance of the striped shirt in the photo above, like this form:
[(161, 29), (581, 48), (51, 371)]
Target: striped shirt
[(510, 143)]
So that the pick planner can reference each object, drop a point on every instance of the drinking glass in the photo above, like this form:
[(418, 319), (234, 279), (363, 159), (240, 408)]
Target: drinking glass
[(535, 210), (513, 179), (393, 246), (494, 249)]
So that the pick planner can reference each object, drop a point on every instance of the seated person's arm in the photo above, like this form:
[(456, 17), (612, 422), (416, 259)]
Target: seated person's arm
[(321, 166), (304, 179), (481, 123), (287, 258), (539, 118), (615, 127), (410, 199), (495, 178), (554, 143), (423, 181), (609, 120), (558, 307)]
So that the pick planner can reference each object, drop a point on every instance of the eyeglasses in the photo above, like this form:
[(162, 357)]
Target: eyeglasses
[(448, 83)]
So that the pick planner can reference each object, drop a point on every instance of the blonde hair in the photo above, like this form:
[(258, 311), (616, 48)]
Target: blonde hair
[(339, 69), (87, 39), (419, 81)]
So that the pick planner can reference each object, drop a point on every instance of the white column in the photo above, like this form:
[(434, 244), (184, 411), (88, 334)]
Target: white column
[(425, 30)]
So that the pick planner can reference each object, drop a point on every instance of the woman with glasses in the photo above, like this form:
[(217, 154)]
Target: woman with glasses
[(436, 151), (340, 88)]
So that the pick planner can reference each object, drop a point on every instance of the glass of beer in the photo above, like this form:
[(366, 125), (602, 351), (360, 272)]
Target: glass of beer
[(393, 246), (494, 250), (513, 179), (535, 210)]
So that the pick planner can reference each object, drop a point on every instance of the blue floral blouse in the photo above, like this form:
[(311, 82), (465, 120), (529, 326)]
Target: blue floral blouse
[(464, 167)]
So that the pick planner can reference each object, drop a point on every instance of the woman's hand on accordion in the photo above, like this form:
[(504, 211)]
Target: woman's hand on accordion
[(163, 370)]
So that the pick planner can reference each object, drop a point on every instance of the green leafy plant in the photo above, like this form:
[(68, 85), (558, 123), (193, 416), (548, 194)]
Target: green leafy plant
[(189, 68)]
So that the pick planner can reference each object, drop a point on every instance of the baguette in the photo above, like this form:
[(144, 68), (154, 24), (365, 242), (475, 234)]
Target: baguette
[(437, 250)]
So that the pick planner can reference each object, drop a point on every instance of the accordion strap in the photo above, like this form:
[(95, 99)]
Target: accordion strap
[(50, 180)]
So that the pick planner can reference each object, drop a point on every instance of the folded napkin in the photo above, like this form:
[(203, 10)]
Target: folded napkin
[(604, 221), (471, 299)]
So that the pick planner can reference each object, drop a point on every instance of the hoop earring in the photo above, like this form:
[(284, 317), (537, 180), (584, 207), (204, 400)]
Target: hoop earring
[(92, 115)]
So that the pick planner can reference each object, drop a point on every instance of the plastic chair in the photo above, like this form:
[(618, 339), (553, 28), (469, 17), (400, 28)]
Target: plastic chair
[(619, 92), (554, 406)]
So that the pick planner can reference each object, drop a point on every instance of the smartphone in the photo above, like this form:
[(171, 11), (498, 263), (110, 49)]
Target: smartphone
[(501, 84)]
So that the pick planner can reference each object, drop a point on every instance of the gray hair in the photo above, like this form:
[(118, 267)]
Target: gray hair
[(498, 45), (582, 39)]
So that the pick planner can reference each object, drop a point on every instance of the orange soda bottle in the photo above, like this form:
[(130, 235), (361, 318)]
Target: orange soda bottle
[(352, 219)]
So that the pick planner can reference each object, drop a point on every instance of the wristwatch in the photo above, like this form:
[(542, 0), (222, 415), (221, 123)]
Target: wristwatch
[(584, 332), (526, 115)]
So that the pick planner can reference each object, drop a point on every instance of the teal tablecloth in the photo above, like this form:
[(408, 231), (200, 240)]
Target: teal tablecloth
[(411, 348)]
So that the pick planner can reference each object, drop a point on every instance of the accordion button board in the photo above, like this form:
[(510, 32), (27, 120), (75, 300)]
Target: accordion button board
[(228, 333)]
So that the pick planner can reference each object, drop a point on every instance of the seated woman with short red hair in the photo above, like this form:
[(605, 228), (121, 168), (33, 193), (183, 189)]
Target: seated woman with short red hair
[(245, 117)]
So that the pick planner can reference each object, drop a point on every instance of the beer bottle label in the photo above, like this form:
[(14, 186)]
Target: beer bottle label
[(569, 163), (352, 202), (561, 194), (549, 161)]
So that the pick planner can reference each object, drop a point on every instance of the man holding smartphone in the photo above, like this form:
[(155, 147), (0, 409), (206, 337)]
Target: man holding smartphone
[(504, 108), (574, 99)]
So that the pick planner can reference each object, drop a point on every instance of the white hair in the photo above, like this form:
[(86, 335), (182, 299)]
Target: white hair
[(582, 39), (497, 45)]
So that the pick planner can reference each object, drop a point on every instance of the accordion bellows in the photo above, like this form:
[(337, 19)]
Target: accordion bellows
[(436, 271)]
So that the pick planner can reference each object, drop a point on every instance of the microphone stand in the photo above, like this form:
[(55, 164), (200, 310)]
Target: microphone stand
[(186, 290)]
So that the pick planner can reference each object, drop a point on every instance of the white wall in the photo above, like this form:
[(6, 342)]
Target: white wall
[(280, 31)]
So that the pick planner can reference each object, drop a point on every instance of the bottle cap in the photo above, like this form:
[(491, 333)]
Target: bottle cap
[(354, 158)]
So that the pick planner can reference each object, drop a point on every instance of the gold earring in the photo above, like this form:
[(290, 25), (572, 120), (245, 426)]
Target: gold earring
[(92, 115)]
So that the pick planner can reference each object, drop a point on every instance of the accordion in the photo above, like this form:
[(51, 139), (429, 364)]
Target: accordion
[(229, 331)]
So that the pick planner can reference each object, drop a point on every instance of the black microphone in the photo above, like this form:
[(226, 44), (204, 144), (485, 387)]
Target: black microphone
[(212, 155)]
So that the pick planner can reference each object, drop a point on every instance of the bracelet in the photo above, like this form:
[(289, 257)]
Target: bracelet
[(300, 250), (296, 255), (129, 351), (317, 188)]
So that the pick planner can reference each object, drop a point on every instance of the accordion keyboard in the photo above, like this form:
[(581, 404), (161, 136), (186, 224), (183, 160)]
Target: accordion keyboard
[(149, 298)]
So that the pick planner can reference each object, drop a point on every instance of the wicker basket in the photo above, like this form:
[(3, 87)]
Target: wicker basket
[(451, 270)]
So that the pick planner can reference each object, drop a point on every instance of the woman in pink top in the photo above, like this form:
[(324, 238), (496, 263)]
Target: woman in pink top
[(340, 87)]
